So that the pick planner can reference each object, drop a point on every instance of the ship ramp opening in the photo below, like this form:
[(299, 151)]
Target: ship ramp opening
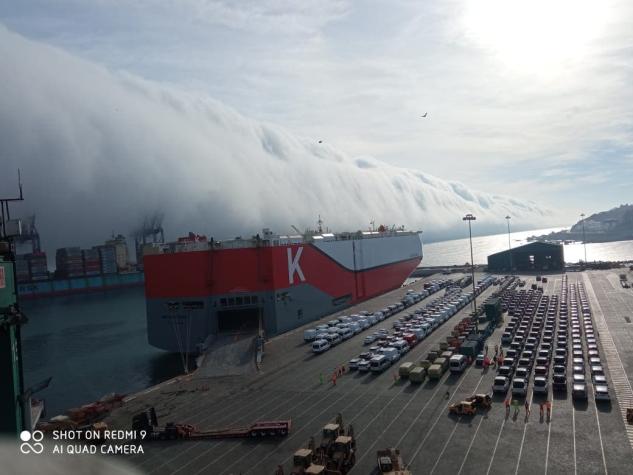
[(240, 320), (228, 355)]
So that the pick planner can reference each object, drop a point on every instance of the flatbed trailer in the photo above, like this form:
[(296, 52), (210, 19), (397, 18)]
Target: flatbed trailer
[(147, 422), (258, 429)]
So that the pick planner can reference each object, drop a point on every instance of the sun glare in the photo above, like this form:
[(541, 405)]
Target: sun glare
[(535, 34)]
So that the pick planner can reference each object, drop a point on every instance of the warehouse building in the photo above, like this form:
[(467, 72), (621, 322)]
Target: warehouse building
[(535, 256)]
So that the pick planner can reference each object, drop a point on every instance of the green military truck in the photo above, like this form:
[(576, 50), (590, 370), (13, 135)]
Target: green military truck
[(417, 375), (438, 368)]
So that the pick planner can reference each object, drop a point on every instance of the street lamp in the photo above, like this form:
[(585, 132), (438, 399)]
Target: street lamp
[(509, 246), (584, 239), (469, 217)]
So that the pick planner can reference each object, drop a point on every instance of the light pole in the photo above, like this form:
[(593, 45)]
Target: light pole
[(469, 217), (584, 238), (509, 246)]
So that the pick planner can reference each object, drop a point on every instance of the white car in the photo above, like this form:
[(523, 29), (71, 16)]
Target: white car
[(540, 385), (309, 335), (369, 339), (334, 338), (353, 363), (320, 346), (501, 384)]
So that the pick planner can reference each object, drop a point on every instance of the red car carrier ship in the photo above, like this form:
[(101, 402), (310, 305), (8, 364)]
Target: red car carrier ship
[(196, 289)]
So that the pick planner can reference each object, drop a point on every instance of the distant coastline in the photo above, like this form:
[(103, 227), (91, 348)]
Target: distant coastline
[(615, 224)]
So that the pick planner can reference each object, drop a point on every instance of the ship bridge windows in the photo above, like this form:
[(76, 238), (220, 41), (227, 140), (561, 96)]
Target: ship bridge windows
[(239, 301)]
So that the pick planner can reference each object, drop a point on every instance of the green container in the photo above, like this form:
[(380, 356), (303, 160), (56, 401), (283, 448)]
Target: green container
[(7, 286), (493, 310)]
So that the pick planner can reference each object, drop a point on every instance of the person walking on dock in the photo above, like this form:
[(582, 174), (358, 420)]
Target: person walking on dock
[(507, 404), (334, 379), (527, 409), (540, 406), (548, 405), (447, 395), (515, 403)]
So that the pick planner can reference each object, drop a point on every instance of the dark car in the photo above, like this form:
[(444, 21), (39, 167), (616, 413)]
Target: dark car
[(579, 391), (559, 383)]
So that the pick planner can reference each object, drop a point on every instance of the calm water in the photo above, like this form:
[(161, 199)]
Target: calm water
[(91, 345), (95, 344), (457, 252)]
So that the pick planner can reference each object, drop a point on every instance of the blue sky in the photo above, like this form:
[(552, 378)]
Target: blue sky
[(525, 98)]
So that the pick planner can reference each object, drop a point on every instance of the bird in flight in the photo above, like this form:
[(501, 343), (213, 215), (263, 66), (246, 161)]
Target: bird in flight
[(424, 114)]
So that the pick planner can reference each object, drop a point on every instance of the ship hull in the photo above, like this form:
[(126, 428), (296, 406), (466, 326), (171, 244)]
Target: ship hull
[(192, 296)]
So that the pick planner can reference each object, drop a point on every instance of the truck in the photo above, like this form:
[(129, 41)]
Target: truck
[(303, 463), (480, 401), (470, 348), (463, 408), (405, 369), (390, 462), (437, 369), (417, 375)]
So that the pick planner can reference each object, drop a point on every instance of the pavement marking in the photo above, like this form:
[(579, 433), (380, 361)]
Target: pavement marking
[(390, 424), (549, 433), (621, 383), (442, 413), (461, 467), (219, 442), (527, 421), (494, 451), (419, 414), (285, 440), (320, 414), (439, 457), (573, 430), (604, 461)]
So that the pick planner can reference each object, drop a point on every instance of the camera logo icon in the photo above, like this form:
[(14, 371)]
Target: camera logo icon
[(31, 442)]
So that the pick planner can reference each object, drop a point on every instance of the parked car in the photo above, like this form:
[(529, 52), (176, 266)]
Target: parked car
[(540, 384), (579, 391), (519, 387), (501, 384), (559, 383), (601, 392), (320, 346)]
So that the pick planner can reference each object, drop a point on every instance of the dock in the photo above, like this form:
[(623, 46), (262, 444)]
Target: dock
[(386, 412)]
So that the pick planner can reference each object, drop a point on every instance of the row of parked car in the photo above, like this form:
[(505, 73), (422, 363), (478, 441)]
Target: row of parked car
[(410, 329), (533, 325), (585, 357), (529, 336), (325, 336)]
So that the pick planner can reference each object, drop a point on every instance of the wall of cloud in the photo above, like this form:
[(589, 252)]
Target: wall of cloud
[(100, 149)]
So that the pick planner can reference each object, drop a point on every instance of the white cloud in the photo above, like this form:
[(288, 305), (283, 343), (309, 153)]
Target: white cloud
[(98, 149)]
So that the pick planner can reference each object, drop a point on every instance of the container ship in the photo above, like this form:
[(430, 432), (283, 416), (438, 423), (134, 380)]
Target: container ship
[(196, 289), (102, 267)]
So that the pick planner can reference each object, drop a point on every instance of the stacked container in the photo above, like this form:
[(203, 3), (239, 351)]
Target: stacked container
[(23, 274), (108, 259), (92, 261), (38, 266), (69, 262)]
